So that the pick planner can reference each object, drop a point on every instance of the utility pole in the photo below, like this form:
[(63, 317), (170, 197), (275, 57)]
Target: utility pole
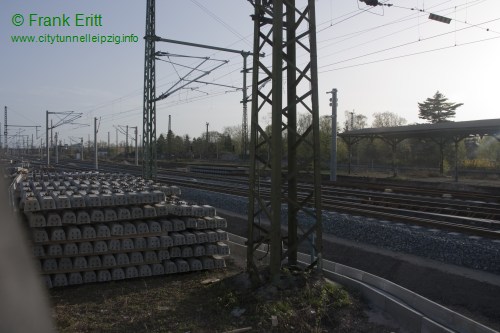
[(5, 131), (95, 143), (17, 141), (81, 147), (207, 140), (244, 123), (135, 128), (333, 148), (350, 151), (51, 135), (26, 144), (126, 142), (47, 136), (150, 18), (57, 150), (169, 137), (109, 148), (136, 148)]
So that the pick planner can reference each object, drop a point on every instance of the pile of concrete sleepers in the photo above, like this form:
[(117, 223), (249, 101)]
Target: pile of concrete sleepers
[(94, 227)]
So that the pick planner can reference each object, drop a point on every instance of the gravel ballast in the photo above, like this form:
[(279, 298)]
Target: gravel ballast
[(449, 247)]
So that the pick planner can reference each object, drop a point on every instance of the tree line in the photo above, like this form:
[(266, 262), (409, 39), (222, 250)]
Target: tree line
[(474, 152)]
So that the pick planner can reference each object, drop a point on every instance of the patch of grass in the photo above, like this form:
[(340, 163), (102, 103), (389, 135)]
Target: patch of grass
[(310, 308), (227, 300)]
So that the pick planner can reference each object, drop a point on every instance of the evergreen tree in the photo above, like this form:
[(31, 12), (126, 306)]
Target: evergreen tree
[(437, 109)]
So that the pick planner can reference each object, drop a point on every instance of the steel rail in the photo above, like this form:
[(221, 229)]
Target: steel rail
[(355, 208)]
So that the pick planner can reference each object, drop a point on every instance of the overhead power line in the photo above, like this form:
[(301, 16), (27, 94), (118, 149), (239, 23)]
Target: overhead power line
[(355, 13), (400, 45), (224, 24), (349, 36), (412, 54), (399, 20), (433, 16), (332, 21)]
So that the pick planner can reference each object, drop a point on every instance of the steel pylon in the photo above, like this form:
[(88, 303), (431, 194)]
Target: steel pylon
[(149, 110), (281, 150)]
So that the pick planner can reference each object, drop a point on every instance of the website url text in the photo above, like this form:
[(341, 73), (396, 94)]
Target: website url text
[(85, 38)]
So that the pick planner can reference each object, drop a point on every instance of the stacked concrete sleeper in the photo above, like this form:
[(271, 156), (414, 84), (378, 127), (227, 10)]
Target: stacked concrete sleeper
[(94, 227)]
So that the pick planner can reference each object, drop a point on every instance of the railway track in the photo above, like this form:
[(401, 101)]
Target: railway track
[(480, 218), (424, 189)]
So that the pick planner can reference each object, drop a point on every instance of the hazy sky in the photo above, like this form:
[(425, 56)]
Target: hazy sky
[(385, 59)]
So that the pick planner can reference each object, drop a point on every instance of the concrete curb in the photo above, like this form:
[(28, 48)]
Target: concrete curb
[(412, 311)]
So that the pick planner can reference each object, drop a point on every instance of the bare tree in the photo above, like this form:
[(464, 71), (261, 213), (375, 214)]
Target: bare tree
[(354, 121), (303, 122), (387, 119)]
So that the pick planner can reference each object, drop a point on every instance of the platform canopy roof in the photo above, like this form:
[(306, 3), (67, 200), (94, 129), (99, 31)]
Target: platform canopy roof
[(452, 130)]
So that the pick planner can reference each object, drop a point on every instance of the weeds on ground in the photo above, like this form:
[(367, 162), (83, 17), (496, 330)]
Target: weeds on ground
[(214, 301)]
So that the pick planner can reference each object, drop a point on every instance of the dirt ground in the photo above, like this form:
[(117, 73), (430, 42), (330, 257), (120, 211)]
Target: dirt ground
[(212, 301)]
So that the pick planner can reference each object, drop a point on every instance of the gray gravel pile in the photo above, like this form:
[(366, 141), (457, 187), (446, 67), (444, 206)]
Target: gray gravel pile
[(453, 248)]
